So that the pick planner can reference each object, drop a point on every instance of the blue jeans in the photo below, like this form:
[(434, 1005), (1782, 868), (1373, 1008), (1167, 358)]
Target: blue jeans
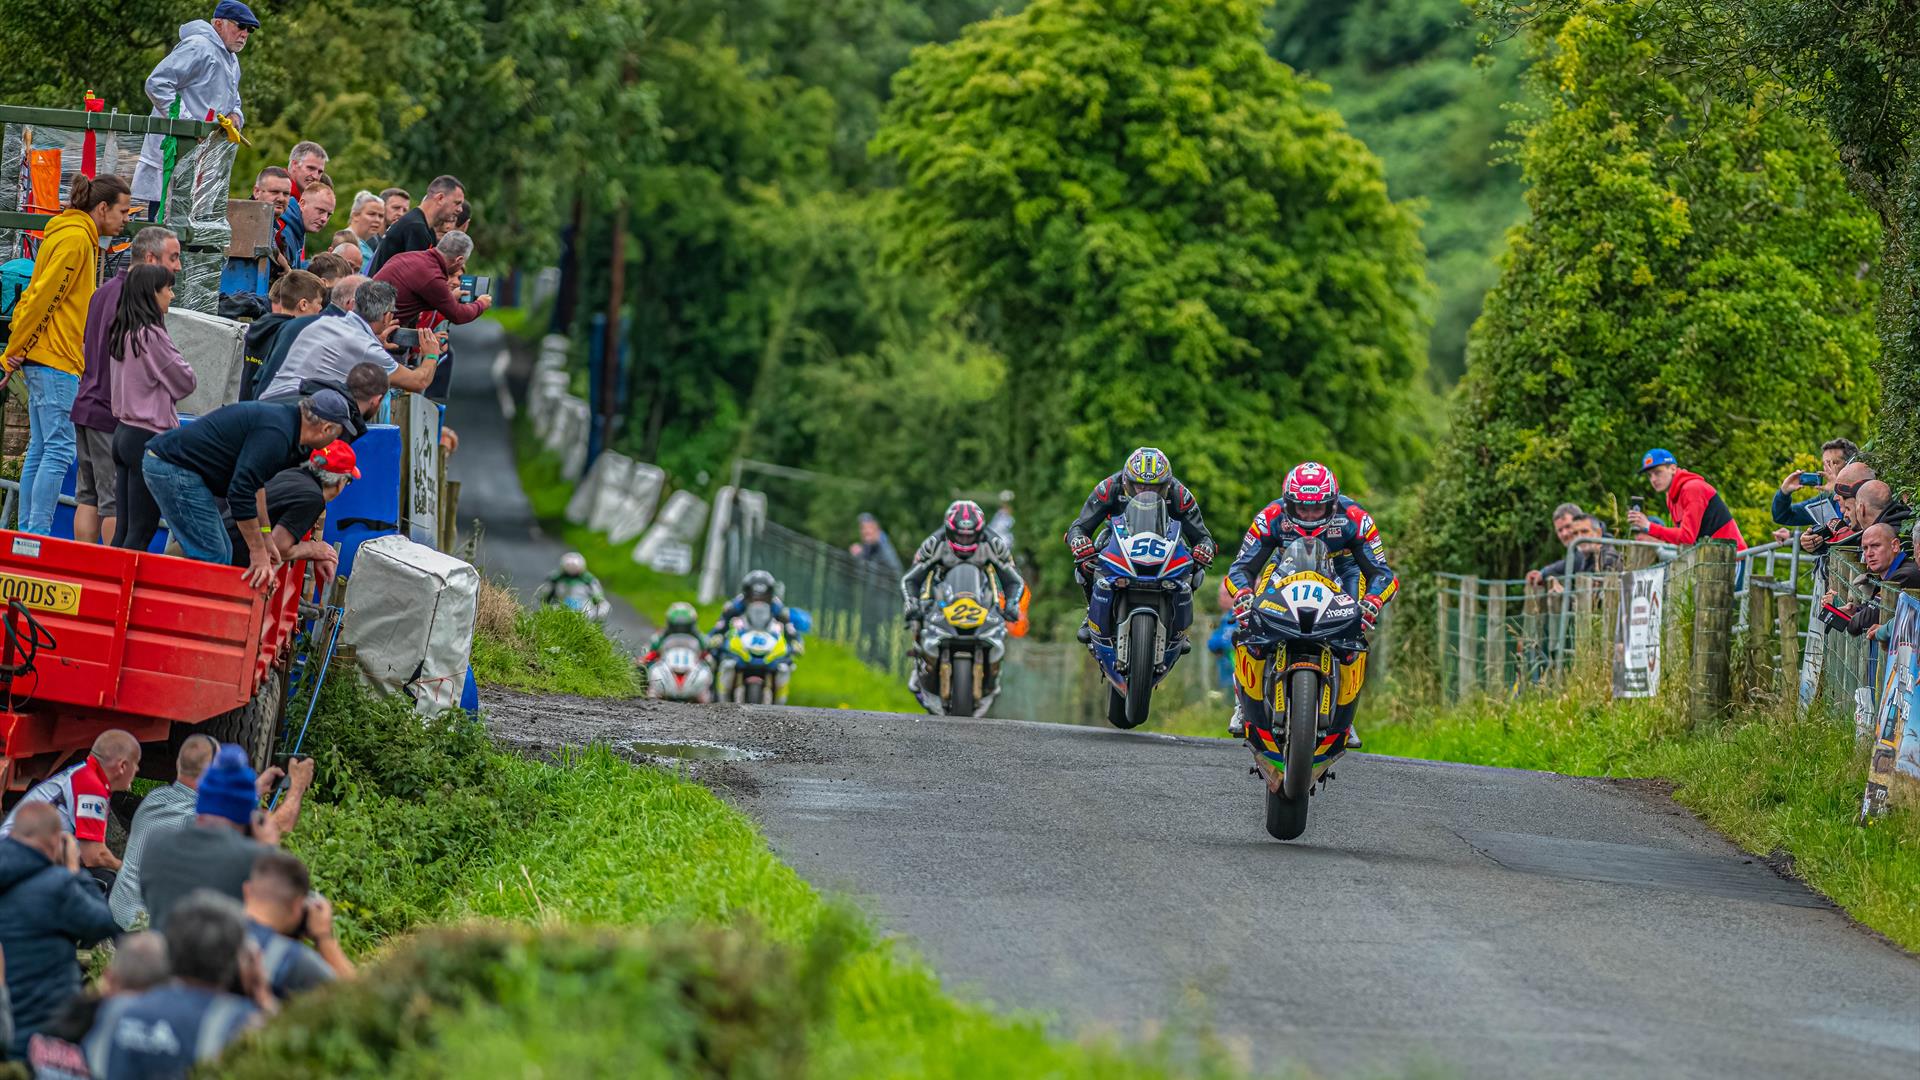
[(190, 510), (50, 445)]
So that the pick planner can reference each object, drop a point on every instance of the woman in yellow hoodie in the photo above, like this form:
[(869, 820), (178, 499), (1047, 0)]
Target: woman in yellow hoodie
[(49, 323)]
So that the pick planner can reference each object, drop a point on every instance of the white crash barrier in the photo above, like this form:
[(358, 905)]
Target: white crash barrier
[(624, 513), (409, 617), (543, 399), (668, 545), (214, 348), (567, 435)]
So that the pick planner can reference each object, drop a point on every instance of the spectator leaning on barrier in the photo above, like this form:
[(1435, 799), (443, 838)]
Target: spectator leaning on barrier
[(1835, 454), (296, 498), (330, 347), (874, 547), (283, 915), (1876, 504), (165, 1032), (198, 79), (1697, 510), (164, 810), (423, 283), (415, 230), (1565, 516), (235, 450), (139, 964), (79, 794), (1589, 556), (1842, 531), (229, 832), (48, 344), (96, 487), (339, 302), (48, 907), (1881, 553)]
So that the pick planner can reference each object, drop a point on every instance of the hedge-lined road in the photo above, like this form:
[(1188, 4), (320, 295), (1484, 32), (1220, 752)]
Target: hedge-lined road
[(1498, 922)]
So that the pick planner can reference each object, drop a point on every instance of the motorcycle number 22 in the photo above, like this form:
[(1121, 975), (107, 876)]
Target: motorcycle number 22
[(1147, 549)]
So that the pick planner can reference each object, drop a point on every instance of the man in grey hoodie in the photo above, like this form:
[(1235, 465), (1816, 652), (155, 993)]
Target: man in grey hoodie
[(200, 76)]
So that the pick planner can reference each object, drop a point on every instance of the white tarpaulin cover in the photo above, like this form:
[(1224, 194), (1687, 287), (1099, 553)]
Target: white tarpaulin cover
[(214, 348), (409, 619)]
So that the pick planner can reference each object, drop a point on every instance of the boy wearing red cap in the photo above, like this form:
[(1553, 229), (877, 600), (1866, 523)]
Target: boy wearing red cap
[(1696, 509)]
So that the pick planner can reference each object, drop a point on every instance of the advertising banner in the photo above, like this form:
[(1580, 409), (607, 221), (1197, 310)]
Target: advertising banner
[(1636, 668), (1894, 768)]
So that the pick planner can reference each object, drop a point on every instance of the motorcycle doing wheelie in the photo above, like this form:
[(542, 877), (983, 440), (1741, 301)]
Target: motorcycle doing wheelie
[(965, 638), (681, 672), (1142, 604), (1298, 655), (755, 656)]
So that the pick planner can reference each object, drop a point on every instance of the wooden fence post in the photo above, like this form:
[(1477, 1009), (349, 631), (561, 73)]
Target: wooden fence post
[(1469, 635), (1532, 633), (1756, 672), (1712, 647), (1496, 653)]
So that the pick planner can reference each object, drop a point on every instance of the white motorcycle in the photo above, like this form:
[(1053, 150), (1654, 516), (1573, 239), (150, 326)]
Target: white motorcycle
[(681, 672)]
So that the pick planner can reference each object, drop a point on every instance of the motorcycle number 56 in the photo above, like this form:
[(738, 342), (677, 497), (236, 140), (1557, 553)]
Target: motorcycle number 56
[(1147, 549)]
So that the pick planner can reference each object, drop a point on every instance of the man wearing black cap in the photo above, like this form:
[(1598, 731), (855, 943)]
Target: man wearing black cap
[(198, 80), (235, 450)]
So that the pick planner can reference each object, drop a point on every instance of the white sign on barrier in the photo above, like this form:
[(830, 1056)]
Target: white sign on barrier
[(1636, 669), (423, 470)]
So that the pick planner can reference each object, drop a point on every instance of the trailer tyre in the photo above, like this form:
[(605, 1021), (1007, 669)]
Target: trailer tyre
[(255, 726)]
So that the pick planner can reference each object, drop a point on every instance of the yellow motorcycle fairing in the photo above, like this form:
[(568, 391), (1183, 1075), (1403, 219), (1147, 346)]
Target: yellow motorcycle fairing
[(737, 645), (965, 613)]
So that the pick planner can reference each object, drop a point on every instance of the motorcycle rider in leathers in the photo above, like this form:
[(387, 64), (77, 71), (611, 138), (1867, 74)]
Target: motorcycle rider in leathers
[(1147, 469), (1311, 505), (758, 587), (961, 538)]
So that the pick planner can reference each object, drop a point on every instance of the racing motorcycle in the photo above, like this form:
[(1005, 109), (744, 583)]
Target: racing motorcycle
[(680, 673), (966, 636), (1143, 587), (754, 654), (1303, 628)]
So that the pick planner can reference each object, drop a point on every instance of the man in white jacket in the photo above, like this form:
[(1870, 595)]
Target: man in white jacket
[(200, 76)]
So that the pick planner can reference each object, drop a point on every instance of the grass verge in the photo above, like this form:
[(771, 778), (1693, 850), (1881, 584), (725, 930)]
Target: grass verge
[(739, 967), (828, 676), (549, 650), (1778, 785)]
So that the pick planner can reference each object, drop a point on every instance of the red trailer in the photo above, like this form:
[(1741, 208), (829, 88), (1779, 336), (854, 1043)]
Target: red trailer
[(93, 638)]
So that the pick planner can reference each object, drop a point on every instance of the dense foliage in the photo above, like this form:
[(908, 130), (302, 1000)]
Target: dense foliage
[(1410, 80), (1694, 275), (1171, 240), (1854, 67)]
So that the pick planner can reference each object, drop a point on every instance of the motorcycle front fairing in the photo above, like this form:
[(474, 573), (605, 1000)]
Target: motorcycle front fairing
[(1302, 618)]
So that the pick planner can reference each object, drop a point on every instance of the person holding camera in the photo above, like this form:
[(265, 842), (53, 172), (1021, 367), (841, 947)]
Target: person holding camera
[(293, 925), (329, 348), (228, 835), (49, 906), (1697, 511), (1881, 552)]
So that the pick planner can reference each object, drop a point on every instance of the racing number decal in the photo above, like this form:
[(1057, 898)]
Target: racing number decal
[(964, 613), (1147, 547), (41, 594)]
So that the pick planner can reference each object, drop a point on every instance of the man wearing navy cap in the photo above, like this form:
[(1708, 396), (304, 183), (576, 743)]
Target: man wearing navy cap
[(235, 450), (1696, 509), (198, 80)]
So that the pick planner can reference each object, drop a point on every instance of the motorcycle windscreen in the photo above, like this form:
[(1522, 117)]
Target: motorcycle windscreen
[(1146, 515), (759, 615), (963, 594), (1308, 554)]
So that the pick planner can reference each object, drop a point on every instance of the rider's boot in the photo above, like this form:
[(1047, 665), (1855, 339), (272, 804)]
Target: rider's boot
[(1353, 737), (1243, 707)]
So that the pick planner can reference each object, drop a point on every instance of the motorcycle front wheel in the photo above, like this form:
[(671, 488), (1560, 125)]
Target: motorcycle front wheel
[(1287, 808), (756, 692), (1142, 631), (960, 679)]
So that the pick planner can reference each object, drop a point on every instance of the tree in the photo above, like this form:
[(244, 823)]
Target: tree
[(1171, 240), (1853, 66), (1693, 276)]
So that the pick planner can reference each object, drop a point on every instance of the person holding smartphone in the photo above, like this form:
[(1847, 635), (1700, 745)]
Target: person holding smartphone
[(1834, 456), (330, 347)]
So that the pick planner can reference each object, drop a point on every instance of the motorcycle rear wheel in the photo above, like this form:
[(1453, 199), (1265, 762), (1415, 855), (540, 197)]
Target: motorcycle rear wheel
[(960, 678), (1142, 657), (1287, 808)]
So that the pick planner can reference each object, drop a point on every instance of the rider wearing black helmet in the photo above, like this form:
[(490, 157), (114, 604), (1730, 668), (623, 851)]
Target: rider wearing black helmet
[(758, 587)]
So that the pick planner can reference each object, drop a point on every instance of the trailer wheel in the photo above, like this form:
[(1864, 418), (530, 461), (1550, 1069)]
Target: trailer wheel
[(255, 726)]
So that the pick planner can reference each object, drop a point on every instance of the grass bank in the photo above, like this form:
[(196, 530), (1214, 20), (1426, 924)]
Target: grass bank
[(550, 650), (629, 923), (829, 676), (1778, 785)]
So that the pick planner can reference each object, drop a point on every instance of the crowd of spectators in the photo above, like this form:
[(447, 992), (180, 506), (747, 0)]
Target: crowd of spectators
[(211, 923)]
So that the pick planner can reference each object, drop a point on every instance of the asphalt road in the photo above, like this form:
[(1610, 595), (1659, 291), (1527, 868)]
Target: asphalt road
[(512, 547), (1491, 922)]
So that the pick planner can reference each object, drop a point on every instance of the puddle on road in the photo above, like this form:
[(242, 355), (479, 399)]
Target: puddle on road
[(690, 751)]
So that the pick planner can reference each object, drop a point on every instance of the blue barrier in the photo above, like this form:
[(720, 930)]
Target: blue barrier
[(370, 506)]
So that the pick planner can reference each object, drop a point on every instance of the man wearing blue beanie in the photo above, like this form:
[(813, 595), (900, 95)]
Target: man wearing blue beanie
[(218, 850)]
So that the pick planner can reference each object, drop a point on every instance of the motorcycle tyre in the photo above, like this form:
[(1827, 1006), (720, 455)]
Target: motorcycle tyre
[(1287, 813), (754, 691), (960, 678), (1116, 708), (1141, 627)]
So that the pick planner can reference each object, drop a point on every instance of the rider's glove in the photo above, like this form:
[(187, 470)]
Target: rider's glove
[(1243, 607), (1369, 612), (1081, 546), (1203, 553)]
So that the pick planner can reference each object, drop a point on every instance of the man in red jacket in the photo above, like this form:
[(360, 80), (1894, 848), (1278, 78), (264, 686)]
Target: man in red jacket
[(1696, 509)]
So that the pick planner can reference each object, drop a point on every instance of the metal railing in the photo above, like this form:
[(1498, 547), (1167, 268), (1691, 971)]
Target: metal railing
[(850, 600)]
